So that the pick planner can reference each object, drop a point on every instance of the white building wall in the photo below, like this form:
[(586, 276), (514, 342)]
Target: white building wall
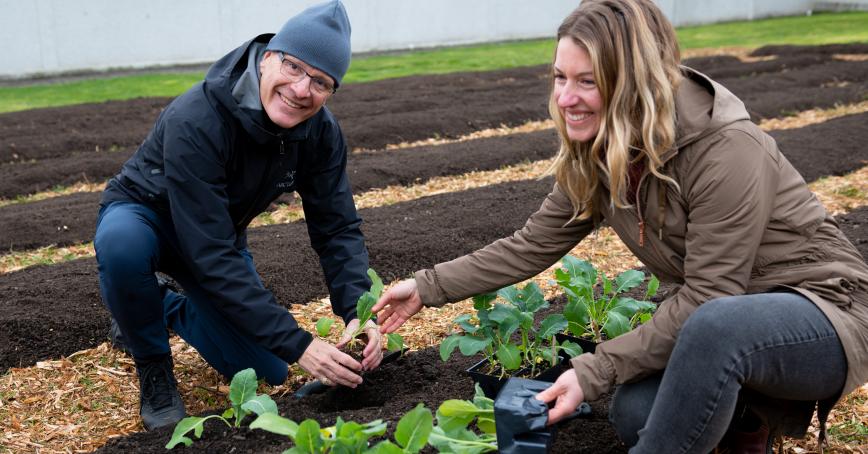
[(58, 36)]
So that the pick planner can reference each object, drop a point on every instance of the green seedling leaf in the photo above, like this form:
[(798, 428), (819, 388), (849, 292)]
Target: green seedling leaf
[(532, 298), (363, 308), (486, 424), (376, 284), (511, 295), (653, 285), (483, 301), (628, 279), (607, 284), (459, 408), (260, 405), (394, 342), (448, 346), (577, 312), (324, 326), (375, 428), (308, 437), (509, 356), (616, 325), (414, 428), (276, 424), (625, 306), (481, 400), (552, 325), (185, 426), (572, 349), (230, 412), (386, 447), (243, 387), (471, 345), (456, 421), (463, 321)]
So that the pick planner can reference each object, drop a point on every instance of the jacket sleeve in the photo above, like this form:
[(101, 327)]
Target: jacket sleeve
[(730, 187), (194, 164), (547, 236), (334, 225)]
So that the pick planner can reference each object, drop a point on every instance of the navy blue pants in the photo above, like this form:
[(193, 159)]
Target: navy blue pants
[(779, 345), (132, 242)]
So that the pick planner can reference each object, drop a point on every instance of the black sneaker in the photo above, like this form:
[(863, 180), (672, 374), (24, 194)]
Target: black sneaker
[(160, 403)]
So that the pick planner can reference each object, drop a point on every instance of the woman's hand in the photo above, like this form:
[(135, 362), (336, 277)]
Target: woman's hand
[(397, 305), (373, 352), (568, 393)]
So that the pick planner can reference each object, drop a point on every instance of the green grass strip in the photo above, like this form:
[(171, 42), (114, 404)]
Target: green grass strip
[(804, 30)]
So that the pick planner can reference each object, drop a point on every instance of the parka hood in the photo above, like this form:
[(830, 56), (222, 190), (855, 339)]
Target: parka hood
[(703, 106)]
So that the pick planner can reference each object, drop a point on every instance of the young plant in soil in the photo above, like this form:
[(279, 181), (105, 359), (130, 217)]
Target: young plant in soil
[(610, 314), (394, 341), (411, 434), (454, 419), (245, 401), (505, 332)]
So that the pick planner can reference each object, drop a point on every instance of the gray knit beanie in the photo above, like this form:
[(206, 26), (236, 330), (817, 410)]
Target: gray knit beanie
[(318, 36)]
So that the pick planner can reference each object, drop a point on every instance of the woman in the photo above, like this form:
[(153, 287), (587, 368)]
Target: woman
[(773, 301)]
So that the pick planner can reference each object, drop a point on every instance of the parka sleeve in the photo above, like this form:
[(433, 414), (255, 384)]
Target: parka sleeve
[(731, 186), (547, 236), (194, 162), (334, 225)]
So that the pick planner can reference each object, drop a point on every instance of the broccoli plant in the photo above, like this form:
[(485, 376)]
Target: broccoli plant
[(491, 331), (245, 401), (394, 341), (610, 314)]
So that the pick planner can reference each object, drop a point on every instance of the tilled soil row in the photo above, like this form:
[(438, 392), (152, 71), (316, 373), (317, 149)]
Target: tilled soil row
[(39, 150), (364, 108), (70, 219), (53, 311)]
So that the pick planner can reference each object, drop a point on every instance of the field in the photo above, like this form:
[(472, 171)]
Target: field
[(442, 165)]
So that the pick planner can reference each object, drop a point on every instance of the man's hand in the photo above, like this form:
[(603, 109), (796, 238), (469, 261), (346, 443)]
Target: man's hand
[(373, 352), (397, 305), (568, 393), (330, 365)]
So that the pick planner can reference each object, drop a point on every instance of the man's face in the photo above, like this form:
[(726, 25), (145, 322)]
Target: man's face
[(288, 103)]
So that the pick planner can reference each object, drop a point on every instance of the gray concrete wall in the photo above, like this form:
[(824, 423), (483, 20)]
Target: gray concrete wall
[(60, 36)]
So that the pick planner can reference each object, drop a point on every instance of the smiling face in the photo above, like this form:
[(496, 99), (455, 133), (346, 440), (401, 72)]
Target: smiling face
[(288, 103), (576, 92)]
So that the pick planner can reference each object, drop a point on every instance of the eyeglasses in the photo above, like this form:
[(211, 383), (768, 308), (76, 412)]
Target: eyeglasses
[(295, 73)]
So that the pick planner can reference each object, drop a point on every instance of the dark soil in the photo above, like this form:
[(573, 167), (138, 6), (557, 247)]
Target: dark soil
[(59, 146), (71, 219)]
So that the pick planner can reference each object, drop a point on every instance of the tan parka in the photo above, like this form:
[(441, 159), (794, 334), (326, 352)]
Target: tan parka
[(741, 221)]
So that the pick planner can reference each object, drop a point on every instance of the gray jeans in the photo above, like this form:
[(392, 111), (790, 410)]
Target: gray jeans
[(779, 345)]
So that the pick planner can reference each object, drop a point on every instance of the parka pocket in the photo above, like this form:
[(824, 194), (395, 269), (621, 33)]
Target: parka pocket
[(836, 290)]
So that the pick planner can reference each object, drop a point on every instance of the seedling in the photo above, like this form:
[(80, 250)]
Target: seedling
[(411, 434), (491, 331), (610, 314), (394, 341), (242, 394), (454, 418)]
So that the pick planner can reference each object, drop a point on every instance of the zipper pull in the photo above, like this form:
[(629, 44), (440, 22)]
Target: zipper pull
[(282, 151), (641, 233)]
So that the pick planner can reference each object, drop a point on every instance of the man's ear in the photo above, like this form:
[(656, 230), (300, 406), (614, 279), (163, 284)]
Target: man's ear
[(265, 56)]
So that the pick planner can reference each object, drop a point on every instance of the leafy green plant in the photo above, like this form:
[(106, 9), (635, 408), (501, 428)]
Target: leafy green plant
[(452, 434), (491, 331), (394, 341), (610, 314), (411, 435), (245, 401)]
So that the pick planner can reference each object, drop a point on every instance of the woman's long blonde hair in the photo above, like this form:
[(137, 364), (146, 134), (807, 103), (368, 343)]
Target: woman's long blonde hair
[(635, 58)]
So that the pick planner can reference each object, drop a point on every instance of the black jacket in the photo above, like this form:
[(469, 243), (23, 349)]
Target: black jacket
[(212, 166)]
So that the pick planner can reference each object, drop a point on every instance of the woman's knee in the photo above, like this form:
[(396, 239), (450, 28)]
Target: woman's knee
[(630, 407)]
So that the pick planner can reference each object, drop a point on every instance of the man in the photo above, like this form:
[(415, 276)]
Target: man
[(218, 155)]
